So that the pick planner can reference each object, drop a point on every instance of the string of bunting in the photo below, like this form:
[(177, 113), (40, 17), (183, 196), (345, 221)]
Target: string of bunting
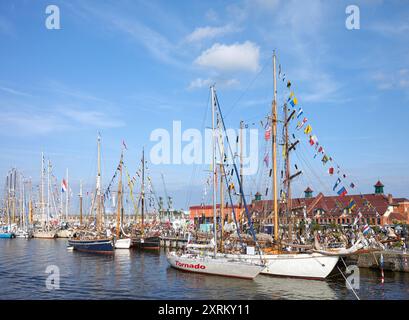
[(341, 184)]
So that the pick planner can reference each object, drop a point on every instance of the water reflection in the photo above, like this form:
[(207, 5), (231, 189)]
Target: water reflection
[(133, 274)]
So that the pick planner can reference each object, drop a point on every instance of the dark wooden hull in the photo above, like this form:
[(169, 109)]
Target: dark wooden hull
[(103, 246), (147, 243)]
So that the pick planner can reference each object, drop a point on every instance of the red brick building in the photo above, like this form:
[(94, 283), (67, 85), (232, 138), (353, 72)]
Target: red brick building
[(204, 214), (373, 209)]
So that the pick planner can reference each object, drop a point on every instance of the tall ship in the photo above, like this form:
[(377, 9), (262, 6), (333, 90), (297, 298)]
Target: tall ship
[(283, 257), (214, 263), (97, 241), (147, 239)]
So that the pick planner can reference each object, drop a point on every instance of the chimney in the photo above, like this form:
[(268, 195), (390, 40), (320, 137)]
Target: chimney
[(390, 199)]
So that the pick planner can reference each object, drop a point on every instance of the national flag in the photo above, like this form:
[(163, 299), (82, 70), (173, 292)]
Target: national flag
[(64, 186), (336, 184), (331, 171), (308, 129), (299, 113), (366, 229), (301, 124), (342, 192)]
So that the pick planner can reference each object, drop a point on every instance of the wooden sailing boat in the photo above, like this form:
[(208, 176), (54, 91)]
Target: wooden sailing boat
[(146, 240), (121, 241), (314, 265), (99, 242), (214, 264)]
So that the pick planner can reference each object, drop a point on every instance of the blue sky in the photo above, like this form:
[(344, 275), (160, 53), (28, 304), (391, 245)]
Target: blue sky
[(125, 68)]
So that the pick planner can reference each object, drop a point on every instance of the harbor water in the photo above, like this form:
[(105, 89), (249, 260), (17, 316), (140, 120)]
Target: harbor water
[(132, 274)]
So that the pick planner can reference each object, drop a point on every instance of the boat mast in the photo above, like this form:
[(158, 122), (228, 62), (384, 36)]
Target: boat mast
[(30, 204), (274, 147), (99, 186), (8, 199), (214, 171), (48, 191), (119, 201), (221, 203), (14, 185), (143, 190), (287, 172), (80, 202), (42, 187), (67, 197), (241, 160)]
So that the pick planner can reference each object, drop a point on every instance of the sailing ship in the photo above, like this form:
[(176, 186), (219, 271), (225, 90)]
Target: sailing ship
[(6, 230), (94, 242), (122, 241), (214, 264), (148, 239), (280, 262), (45, 230)]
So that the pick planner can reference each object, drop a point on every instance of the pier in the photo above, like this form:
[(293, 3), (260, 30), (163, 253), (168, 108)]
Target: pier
[(173, 242), (397, 261)]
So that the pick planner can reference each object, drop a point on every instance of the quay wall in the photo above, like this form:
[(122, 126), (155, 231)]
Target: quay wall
[(393, 260)]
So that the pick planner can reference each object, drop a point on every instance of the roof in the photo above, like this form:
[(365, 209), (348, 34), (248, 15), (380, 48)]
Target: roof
[(400, 200), (397, 216), (208, 207), (379, 184), (334, 205)]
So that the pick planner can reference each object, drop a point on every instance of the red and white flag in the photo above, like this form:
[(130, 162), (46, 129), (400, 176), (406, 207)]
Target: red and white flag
[(64, 185)]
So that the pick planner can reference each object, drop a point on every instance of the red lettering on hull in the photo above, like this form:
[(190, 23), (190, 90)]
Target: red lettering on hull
[(190, 265)]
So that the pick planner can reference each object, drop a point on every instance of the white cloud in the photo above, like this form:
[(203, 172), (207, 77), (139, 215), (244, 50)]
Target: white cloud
[(199, 83), (93, 118), (208, 32), (14, 92), (392, 80), (235, 57)]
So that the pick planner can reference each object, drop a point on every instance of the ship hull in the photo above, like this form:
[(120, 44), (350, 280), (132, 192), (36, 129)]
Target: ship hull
[(211, 266), (148, 243), (7, 235), (45, 235), (292, 265), (103, 246), (123, 243)]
